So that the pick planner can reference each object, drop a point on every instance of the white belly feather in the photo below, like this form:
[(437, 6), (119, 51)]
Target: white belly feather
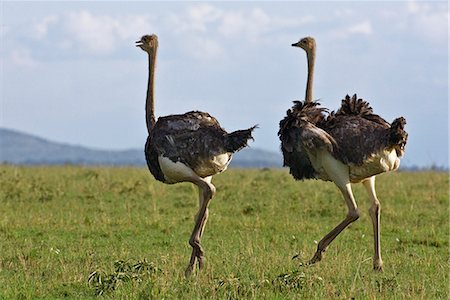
[(178, 172), (380, 162), (175, 171), (328, 168)]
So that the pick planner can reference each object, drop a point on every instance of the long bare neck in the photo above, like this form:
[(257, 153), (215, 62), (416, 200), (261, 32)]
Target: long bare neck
[(150, 101), (311, 56)]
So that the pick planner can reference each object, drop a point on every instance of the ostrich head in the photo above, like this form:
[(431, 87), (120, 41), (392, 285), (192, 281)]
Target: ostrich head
[(307, 43), (148, 43)]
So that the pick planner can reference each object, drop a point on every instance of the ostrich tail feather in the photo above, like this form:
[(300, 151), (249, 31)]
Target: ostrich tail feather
[(398, 136), (354, 106), (237, 140)]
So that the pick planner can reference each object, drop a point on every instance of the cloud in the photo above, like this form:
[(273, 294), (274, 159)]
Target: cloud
[(250, 24), (201, 15), (363, 28), (100, 34), (429, 19), (41, 28), (95, 34), (206, 25), (414, 7), (256, 24), (22, 57), (205, 49), (196, 18), (425, 20), (344, 13), (209, 27)]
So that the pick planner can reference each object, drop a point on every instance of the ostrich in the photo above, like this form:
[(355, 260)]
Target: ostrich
[(190, 147), (348, 146)]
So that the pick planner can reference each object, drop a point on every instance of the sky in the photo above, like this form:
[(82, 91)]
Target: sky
[(70, 71)]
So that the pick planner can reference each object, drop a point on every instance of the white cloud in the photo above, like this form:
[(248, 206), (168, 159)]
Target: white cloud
[(22, 57), (414, 7), (430, 20), (251, 24), (209, 27), (41, 29), (134, 27), (99, 34), (344, 13), (205, 49), (255, 25), (93, 33), (364, 28), (426, 20), (361, 28), (205, 24), (201, 15), (196, 18)]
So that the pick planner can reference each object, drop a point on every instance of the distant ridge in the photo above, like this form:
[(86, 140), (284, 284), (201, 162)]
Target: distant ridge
[(25, 149)]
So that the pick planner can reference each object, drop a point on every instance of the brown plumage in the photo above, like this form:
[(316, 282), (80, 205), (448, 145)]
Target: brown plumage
[(301, 117), (359, 133), (347, 146), (194, 139), (190, 147)]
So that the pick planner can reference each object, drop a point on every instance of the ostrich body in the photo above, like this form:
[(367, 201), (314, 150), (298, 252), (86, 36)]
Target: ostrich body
[(348, 146), (190, 147)]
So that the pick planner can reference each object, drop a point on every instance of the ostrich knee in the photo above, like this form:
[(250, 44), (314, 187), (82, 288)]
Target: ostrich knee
[(353, 215)]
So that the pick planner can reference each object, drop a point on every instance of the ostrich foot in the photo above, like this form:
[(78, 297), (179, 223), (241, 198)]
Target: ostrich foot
[(378, 265), (196, 256), (191, 265), (316, 258), (188, 271)]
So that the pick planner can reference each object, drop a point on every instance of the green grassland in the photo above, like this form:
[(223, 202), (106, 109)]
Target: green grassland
[(80, 232)]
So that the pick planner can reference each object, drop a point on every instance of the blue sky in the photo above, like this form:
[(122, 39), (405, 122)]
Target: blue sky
[(70, 71)]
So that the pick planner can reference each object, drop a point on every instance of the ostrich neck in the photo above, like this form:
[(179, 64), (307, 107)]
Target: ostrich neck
[(311, 56), (150, 102)]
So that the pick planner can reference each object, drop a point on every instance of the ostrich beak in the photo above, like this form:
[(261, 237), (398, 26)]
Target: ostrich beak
[(296, 44), (139, 43)]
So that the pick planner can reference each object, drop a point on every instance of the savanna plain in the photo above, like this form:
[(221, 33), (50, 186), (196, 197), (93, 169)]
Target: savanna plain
[(87, 232)]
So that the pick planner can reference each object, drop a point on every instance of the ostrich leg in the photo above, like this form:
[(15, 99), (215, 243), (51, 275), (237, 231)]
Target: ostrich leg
[(338, 172), (352, 216), (206, 192), (374, 212), (207, 179)]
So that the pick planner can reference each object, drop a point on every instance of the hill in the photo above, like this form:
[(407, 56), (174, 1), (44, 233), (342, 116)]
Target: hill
[(26, 149)]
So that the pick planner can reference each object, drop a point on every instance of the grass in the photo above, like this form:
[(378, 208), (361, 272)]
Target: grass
[(75, 232)]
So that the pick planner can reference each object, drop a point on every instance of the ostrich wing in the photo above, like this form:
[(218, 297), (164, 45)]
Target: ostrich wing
[(301, 142), (190, 138), (314, 139), (358, 138)]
